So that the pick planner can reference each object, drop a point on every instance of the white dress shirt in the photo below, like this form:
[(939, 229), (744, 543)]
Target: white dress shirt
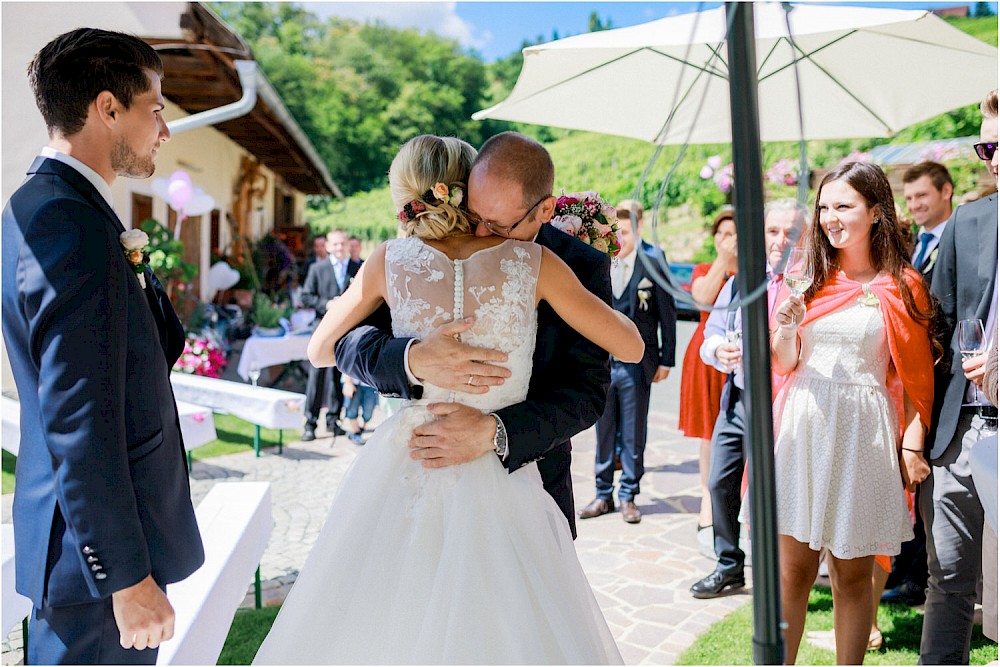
[(621, 273), (931, 244), (95, 179)]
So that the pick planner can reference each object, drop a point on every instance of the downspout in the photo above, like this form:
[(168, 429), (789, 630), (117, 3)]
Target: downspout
[(247, 70)]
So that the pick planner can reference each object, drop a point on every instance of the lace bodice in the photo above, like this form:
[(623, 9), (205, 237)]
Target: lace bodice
[(847, 346), (425, 289)]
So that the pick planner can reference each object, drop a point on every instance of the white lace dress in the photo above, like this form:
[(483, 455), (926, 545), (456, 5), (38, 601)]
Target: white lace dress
[(837, 471), (466, 564)]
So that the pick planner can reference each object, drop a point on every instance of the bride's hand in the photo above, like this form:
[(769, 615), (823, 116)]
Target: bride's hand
[(459, 435)]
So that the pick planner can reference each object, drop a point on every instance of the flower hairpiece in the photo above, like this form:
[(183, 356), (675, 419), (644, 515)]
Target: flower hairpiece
[(446, 195), (411, 210)]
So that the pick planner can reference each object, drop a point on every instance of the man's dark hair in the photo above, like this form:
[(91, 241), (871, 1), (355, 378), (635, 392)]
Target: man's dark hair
[(938, 174), (74, 68)]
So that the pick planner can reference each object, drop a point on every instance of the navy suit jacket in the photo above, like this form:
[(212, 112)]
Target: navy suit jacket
[(569, 380), (963, 283), (102, 497), (656, 312)]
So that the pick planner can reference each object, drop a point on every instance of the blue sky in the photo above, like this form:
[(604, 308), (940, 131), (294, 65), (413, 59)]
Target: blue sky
[(497, 29)]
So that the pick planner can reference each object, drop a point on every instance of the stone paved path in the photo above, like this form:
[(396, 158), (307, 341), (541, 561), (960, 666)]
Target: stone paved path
[(640, 573)]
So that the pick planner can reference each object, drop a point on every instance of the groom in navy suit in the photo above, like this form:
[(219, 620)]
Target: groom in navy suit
[(652, 309), (103, 519), (510, 195)]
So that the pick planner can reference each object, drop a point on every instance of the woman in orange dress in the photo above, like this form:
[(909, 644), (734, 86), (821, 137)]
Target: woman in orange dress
[(701, 385)]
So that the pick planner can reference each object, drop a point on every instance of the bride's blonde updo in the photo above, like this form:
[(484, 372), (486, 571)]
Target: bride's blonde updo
[(421, 163)]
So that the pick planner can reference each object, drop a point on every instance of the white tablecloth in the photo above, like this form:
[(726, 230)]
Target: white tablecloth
[(11, 433), (261, 352), (270, 408), (197, 424), (15, 606), (235, 523)]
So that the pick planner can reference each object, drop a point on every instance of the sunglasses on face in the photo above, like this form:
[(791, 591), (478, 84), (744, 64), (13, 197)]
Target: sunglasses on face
[(985, 150)]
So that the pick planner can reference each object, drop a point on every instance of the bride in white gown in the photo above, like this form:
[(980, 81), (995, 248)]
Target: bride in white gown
[(465, 564)]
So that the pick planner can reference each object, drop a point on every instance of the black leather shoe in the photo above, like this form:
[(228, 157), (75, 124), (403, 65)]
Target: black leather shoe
[(716, 584), (597, 507), (906, 593), (308, 435), (335, 429)]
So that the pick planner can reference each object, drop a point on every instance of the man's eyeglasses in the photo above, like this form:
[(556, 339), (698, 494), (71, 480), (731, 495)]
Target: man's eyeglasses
[(501, 230), (985, 150)]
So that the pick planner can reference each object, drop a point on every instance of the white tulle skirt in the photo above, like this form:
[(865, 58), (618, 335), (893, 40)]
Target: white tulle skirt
[(461, 565)]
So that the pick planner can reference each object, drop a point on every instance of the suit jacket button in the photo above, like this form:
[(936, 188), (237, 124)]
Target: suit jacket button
[(87, 550), (91, 559), (95, 567), (100, 575)]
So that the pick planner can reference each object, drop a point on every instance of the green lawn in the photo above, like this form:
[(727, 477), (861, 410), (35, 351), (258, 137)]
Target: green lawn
[(246, 635), (235, 435), (900, 626)]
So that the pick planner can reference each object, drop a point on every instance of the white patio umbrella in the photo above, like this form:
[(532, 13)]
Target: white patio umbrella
[(864, 72)]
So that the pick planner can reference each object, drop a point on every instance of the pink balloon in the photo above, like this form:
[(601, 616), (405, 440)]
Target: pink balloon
[(179, 190)]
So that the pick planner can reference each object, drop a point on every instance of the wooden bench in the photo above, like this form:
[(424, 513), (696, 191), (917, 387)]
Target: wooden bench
[(235, 524), (261, 406)]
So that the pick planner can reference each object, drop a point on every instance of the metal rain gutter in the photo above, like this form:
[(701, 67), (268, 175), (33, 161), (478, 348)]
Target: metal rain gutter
[(247, 70)]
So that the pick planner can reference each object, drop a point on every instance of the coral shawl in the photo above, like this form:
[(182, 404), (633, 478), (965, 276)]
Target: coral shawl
[(909, 340)]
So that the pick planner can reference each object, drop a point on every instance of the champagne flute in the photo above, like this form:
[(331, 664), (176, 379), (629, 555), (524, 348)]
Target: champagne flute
[(254, 373), (971, 338), (798, 272)]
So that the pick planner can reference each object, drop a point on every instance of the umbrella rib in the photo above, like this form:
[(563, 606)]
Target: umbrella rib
[(804, 55), (703, 68), (835, 80)]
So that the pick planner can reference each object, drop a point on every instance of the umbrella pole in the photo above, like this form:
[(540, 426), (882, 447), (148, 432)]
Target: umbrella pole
[(768, 644)]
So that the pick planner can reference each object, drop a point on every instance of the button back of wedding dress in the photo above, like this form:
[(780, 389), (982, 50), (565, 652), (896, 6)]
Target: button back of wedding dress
[(496, 285)]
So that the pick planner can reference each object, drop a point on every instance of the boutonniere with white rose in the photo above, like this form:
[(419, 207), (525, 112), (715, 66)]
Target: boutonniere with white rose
[(644, 295), (931, 260), (136, 245)]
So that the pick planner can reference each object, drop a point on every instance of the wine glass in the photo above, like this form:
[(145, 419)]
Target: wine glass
[(254, 373), (798, 272), (734, 335), (971, 338)]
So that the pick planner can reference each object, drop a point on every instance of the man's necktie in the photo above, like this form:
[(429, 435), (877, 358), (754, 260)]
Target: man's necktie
[(925, 240)]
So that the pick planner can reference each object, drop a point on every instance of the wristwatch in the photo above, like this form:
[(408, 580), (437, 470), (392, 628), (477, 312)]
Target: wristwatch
[(500, 437)]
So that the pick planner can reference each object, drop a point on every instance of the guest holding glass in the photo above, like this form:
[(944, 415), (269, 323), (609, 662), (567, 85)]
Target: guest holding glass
[(850, 413), (701, 384)]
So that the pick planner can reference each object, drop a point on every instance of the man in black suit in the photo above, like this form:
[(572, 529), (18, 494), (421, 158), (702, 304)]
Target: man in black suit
[(103, 519), (327, 279), (965, 283), (643, 301), (510, 194)]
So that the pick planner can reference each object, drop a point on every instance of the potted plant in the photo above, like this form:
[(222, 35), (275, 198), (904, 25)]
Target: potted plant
[(266, 316)]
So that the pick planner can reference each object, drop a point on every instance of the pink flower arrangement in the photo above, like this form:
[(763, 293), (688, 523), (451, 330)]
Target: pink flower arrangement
[(784, 172), (714, 169), (202, 355), (587, 217)]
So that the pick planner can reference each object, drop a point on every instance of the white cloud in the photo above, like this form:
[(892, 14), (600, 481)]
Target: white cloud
[(438, 17)]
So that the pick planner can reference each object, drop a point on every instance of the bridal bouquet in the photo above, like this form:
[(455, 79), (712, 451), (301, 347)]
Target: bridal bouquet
[(202, 355), (586, 216)]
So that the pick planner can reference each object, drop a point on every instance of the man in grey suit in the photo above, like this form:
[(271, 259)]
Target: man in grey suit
[(327, 279), (965, 282)]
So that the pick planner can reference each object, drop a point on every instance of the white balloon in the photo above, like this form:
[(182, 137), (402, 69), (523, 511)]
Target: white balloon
[(200, 203), (221, 276)]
